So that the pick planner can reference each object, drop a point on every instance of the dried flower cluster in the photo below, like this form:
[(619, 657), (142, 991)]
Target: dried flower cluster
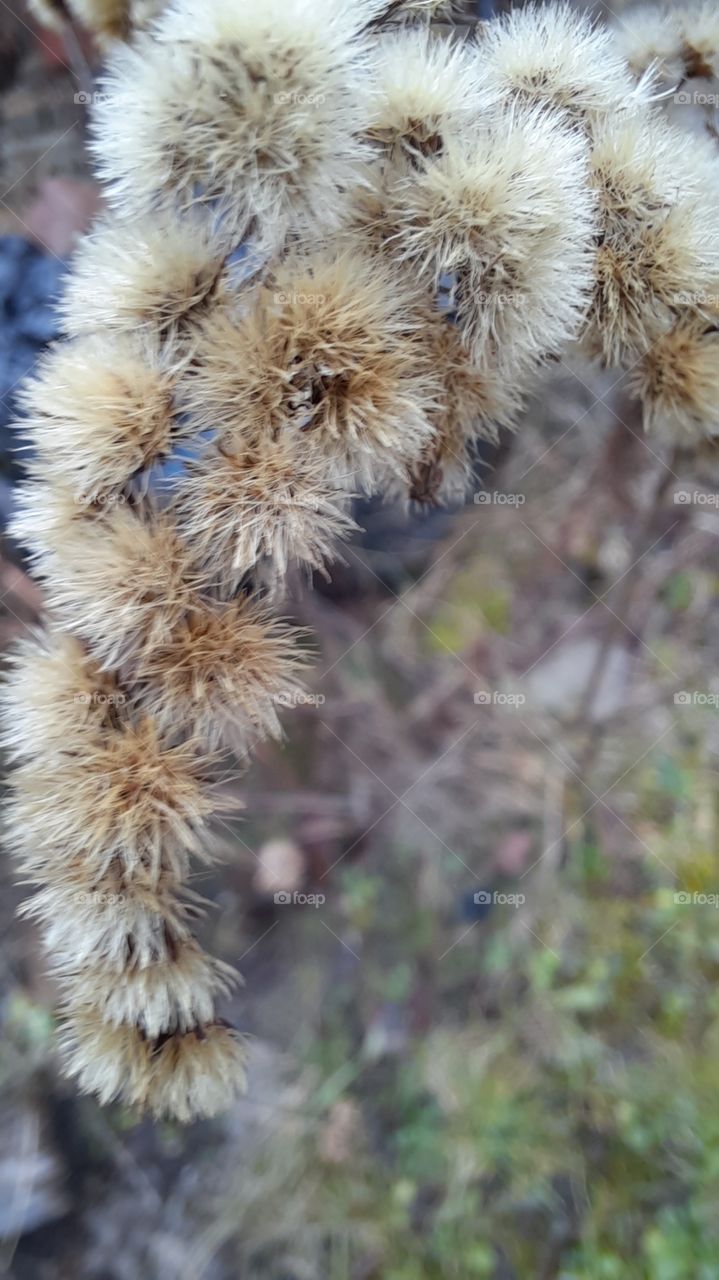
[(342, 242)]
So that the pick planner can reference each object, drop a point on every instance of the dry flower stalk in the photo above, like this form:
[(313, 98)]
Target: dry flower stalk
[(341, 246)]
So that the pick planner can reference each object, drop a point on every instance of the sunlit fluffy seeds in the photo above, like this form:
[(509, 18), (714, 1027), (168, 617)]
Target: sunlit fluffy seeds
[(154, 275), (173, 994), (110, 920), (475, 404), (678, 380), (50, 695), (650, 37), (329, 352), (248, 109), (124, 588), (519, 283), (425, 89), (128, 798), (222, 671), (99, 412), (659, 224), (555, 57), (270, 502), (47, 513), (183, 1077)]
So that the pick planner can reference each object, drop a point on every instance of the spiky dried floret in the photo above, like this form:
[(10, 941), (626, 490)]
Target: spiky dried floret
[(46, 514), (99, 412), (649, 37), (659, 232), (271, 501), (475, 404), (556, 57), (700, 40), (176, 993), (251, 110), (683, 44), (113, 921), (122, 583), (183, 1077), (154, 275), (51, 695), (222, 671), (330, 351), (508, 219), (678, 379), (424, 89), (128, 798)]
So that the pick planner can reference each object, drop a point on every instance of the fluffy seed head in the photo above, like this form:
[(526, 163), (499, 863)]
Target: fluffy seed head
[(329, 353), (270, 502), (650, 37), (555, 57), (176, 993), (475, 404), (222, 671), (129, 798), (250, 109), (180, 1077), (424, 89), (112, 920), (100, 411), (678, 380), (52, 696), (121, 583), (519, 281), (153, 276), (659, 242)]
